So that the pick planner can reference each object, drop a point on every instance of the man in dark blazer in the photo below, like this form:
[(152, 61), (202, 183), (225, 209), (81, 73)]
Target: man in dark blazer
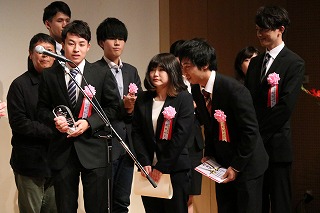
[(30, 138), (274, 113), (112, 35), (55, 17), (239, 148), (79, 152)]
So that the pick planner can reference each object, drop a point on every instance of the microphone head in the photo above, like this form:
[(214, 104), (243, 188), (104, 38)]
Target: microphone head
[(39, 49)]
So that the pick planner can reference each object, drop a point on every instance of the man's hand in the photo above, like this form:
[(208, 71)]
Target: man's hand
[(204, 159), (129, 101), (61, 124), (230, 175), (81, 126)]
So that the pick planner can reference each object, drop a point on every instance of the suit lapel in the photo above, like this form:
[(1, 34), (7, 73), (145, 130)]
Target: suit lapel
[(201, 105), (125, 77), (63, 86), (148, 113), (276, 63), (86, 76), (257, 82), (215, 94), (160, 120)]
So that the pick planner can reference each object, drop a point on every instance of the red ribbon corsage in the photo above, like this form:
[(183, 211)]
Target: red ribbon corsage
[(86, 107), (166, 130), (273, 93), (223, 128)]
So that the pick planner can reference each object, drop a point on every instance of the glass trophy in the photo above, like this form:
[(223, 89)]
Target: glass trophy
[(64, 111)]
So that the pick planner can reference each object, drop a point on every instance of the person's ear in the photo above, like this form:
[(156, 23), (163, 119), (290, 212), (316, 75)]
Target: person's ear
[(282, 29), (47, 24), (30, 54), (101, 44), (205, 67)]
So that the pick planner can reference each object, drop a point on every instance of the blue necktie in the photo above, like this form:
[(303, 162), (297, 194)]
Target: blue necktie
[(72, 88)]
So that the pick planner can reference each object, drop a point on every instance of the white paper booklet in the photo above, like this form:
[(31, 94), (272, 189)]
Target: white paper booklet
[(212, 170)]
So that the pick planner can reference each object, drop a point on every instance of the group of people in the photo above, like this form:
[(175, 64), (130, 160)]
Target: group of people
[(246, 125), (47, 158)]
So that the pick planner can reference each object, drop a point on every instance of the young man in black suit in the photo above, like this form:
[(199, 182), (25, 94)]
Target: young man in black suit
[(112, 35), (239, 148), (81, 152), (274, 103), (55, 17)]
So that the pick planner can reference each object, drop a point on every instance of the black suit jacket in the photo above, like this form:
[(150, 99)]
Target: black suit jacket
[(122, 125), (172, 154), (30, 138), (274, 122), (91, 151), (245, 151)]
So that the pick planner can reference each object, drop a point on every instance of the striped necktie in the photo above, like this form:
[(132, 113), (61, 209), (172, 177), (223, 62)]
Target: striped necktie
[(208, 100), (264, 66), (72, 88)]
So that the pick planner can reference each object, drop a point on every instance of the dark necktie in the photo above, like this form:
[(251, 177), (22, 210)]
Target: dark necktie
[(208, 100), (264, 65), (72, 88)]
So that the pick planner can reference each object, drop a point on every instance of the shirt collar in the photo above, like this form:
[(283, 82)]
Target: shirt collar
[(112, 65), (58, 48), (80, 66), (275, 51), (210, 83)]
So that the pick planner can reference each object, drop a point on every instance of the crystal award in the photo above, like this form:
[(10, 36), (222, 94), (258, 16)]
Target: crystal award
[(64, 111)]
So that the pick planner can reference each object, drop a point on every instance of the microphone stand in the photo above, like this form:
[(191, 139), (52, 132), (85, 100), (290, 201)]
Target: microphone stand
[(105, 119)]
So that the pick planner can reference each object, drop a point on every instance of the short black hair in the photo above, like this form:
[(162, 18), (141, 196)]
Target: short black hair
[(175, 47), (40, 37), (170, 64), (111, 28), (272, 17), (199, 52), (52, 9), (79, 28)]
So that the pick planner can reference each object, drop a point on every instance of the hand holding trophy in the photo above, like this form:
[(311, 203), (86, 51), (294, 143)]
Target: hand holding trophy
[(64, 119)]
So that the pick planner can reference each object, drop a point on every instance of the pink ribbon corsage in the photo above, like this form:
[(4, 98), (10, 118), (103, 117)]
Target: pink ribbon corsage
[(223, 129), (133, 89), (166, 130), (273, 93), (86, 107)]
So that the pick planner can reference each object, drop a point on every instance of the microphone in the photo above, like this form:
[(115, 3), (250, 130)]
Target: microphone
[(40, 49)]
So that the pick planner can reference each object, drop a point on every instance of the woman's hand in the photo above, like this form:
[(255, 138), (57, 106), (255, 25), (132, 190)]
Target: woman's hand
[(156, 175)]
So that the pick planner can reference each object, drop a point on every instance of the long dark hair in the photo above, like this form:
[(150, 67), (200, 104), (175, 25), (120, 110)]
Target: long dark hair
[(245, 53)]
